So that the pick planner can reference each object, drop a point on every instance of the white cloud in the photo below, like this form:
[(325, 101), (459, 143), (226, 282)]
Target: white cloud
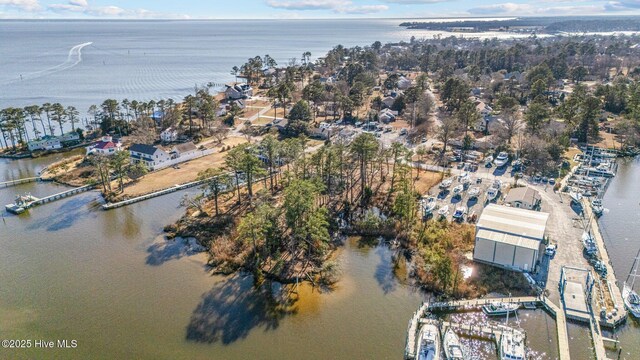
[(416, 2), (308, 4), (337, 6), (83, 7), (360, 10), (623, 5), (28, 5)]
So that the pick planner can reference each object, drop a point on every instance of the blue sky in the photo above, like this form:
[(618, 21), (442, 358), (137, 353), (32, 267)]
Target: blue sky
[(288, 9)]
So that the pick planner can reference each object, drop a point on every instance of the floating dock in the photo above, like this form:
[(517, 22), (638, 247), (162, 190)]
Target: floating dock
[(527, 301), (51, 198)]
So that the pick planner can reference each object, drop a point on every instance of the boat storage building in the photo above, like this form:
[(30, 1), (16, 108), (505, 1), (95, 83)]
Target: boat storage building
[(509, 237)]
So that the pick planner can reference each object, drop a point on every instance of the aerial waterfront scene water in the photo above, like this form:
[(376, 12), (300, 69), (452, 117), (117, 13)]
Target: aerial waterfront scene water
[(342, 188)]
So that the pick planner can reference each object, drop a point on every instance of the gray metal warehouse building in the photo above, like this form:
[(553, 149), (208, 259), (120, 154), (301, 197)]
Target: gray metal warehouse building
[(510, 237)]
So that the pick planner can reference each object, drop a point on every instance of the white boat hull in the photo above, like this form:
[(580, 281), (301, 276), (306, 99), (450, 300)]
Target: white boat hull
[(634, 309)]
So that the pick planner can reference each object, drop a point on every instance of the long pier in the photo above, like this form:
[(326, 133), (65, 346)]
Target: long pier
[(10, 183), (61, 195), (561, 322), (619, 313), (152, 195)]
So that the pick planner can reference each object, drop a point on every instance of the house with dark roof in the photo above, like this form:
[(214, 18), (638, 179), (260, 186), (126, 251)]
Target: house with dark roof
[(238, 91), (149, 155)]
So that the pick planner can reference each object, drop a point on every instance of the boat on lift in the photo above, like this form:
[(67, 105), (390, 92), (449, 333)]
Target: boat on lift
[(21, 204)]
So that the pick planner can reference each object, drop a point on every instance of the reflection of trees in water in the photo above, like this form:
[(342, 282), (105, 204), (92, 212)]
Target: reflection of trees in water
[(233, 308)]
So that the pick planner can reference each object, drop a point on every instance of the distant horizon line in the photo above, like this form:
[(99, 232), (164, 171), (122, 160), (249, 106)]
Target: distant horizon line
[(318, 18)]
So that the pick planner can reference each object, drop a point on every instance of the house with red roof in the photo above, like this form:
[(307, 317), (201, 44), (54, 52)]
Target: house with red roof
[(106, 146)]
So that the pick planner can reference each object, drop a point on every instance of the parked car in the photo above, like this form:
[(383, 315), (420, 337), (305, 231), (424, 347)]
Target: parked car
[(552, 181), (403, 132)]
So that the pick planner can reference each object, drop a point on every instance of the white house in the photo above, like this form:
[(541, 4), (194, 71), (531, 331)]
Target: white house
[(183, 150), (238, 91), (169, 135), (54, 142), (106, 146), (46, 143), (148, 155)]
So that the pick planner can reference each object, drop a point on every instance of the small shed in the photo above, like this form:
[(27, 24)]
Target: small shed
[(524, 198)]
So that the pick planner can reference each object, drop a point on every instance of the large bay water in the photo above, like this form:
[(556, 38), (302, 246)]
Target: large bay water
[(109, 280), (81, 63)]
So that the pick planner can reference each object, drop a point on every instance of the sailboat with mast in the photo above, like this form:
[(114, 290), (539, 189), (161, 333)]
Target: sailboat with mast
[(511, 345), (629, 295)]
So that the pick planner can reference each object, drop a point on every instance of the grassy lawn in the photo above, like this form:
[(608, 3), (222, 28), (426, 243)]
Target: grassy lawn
[(186, 172), (261, 121)]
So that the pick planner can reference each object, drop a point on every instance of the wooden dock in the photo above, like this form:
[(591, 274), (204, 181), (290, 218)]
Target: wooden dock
[(10, 183), (62, 195), (412, 331), (152, 195), (561, 322), (619, 313)]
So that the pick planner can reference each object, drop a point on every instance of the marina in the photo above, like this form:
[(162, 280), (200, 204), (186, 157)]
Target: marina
[(491, 330)]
